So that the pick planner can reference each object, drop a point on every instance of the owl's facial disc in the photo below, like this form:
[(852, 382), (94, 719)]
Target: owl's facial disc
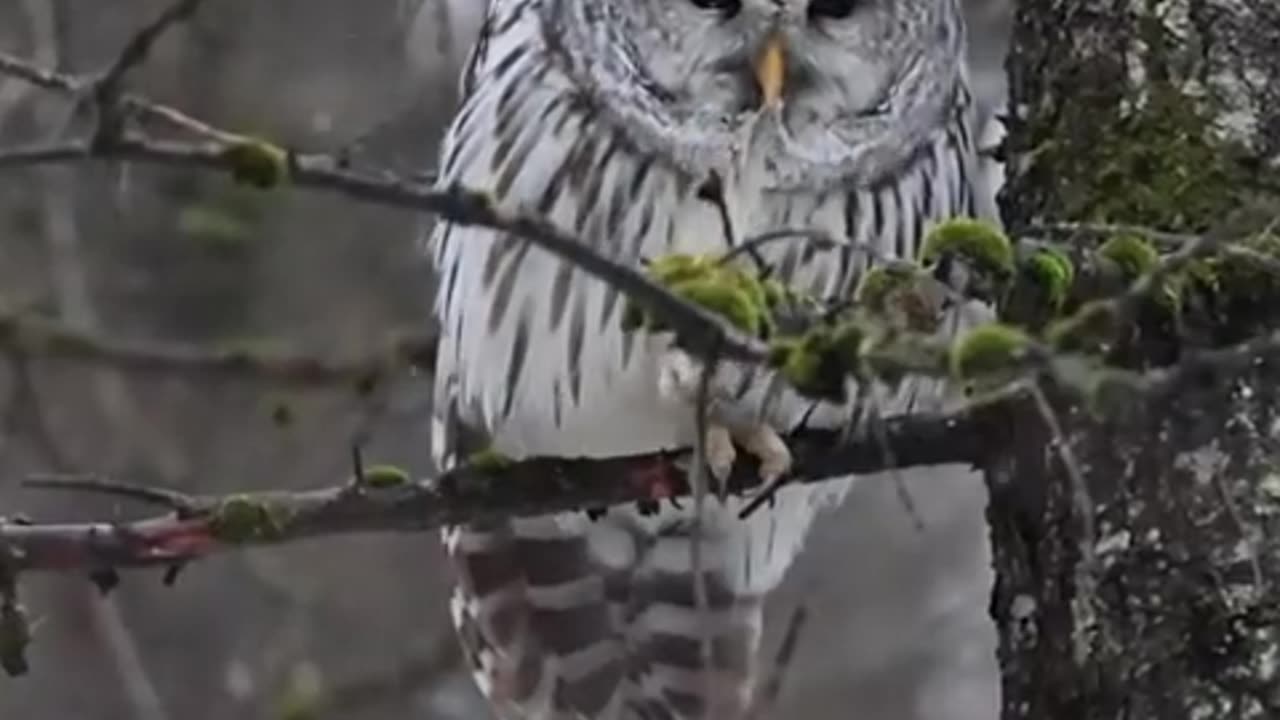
[(831, 91)]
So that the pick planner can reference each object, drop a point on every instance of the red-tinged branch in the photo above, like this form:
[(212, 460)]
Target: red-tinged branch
[(201, 525)]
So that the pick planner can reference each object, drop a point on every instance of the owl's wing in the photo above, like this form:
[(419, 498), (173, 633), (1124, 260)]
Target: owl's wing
[(561, 618)]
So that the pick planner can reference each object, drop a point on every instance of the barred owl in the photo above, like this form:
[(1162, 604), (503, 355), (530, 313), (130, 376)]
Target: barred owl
[(609, 116)]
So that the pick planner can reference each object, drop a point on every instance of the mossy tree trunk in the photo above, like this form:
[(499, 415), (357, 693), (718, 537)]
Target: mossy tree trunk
[(1164, 113)]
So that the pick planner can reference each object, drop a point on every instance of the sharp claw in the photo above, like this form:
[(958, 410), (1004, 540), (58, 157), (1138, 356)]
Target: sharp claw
[(767, 446), (679, 376), (720, 455)]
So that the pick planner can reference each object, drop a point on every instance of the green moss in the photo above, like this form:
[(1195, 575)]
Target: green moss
[(726, 299), (1044, 283), (385, 476), (978, 242), (682, 266), (988, 351), (892, 361), (899, 294), (223, 219), (257, 163), (489, 460), (1052, 273), (880, 281), (1236, 289), (242, 518), (1133, 255), (818, 363), (1237, 273), (1202, 274), (743, 299), (1149, 156), (303, 697), (775, 293), (850, 340), (215, 228), (1090, 329), (802, 361)]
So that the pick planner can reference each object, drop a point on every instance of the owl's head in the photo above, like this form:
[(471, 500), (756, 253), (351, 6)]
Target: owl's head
[(833, 90)]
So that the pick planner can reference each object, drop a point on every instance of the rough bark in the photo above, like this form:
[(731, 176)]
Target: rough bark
[(1159, 112)]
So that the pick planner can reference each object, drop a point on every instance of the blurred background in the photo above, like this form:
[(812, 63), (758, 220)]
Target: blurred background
[(897, 626)]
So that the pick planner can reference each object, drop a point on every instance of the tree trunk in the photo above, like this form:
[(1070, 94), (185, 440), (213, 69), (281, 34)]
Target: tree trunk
[(1164, 113)]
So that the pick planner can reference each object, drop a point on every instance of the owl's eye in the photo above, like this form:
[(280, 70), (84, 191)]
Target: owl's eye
[(836, 9), (728, 7)]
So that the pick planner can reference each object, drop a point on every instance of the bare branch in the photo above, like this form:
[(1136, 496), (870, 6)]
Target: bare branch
[(74, 88), (770, 690), (460, 205), (136, 51), (30, 335), (702, 329), (39, 76)]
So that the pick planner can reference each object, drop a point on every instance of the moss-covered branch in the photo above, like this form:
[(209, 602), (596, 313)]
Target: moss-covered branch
[(384, 499), (1109, 302)]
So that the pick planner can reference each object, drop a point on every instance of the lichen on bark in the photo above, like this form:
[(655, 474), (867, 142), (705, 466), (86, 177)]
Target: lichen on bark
[(1133, 112), (1160, 113)]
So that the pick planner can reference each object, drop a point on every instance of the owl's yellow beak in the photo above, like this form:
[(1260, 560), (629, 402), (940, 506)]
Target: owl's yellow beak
[(771, 71)]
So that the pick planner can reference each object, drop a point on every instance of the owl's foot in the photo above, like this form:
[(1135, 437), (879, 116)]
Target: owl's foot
[(769, 449), (760, 441), (720, 454), (679, 380)]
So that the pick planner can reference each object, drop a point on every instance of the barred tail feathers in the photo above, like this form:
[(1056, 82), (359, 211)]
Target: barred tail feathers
[(534, 619), (562, 618)]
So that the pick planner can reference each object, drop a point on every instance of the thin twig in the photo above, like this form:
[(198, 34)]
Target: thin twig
[(34, 336), (700, 328), (1101, 231), (74, 302), (171, 499), (1081, 500), (74, 88), (136, 51), (39, 18), (770, 690), (464, 206)]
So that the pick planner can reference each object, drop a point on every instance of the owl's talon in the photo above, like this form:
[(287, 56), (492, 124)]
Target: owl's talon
[(720, 455), (767, 446), (679, 376)]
